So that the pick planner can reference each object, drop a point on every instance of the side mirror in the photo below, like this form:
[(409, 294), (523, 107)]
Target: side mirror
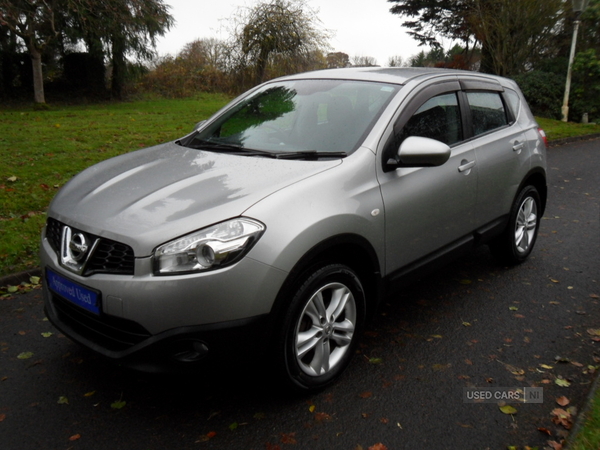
[(418, 151), (199, 125)]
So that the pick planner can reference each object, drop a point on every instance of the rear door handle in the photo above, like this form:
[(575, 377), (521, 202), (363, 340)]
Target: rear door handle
[(517, 147), (466, 165)]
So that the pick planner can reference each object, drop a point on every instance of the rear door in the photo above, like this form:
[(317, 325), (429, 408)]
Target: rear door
[(500, 147)]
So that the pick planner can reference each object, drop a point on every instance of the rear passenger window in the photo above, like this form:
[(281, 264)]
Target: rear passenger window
[(438, 118), (487, 111)]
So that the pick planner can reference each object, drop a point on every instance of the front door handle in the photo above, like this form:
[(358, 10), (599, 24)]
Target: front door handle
[(465, 165), (517, 147)]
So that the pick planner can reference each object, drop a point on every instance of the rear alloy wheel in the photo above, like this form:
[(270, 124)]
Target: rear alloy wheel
[(321, 327), (517, 241)]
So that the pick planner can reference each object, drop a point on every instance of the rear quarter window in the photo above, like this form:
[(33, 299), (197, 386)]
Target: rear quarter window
[(514, 101)]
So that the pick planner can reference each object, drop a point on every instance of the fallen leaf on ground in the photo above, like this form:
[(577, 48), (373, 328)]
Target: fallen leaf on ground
[(562, 400), (507, 409), (62, 400), (562, 417), (119, 404), (366, 394), (555, 445), (562, 382), (378, 446), (322, 417), (288, 438), (75, 437)]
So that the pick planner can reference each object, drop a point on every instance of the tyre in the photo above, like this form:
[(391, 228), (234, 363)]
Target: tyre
[(515, 244), (321, 327)]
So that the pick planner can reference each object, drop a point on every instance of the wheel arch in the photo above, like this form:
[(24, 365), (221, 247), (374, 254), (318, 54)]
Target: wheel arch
[(537, 179), (351, 250)]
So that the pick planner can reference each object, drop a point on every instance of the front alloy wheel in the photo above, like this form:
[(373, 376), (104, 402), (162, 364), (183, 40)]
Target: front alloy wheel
[(325, 329), (321, 326)]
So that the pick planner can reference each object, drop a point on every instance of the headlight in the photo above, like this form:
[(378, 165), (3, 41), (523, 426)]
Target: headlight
[(211, 248)]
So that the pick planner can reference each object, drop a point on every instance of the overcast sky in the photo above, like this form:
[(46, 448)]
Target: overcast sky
[(360, 27)]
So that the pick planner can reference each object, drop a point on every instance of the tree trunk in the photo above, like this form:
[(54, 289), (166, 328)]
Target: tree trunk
[(487, 60), (119, 67), (38, 75)]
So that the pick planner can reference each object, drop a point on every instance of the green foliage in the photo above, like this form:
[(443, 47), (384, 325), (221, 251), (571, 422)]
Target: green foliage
[(586, 86), (588, 435), (455, 58), (544, 92)]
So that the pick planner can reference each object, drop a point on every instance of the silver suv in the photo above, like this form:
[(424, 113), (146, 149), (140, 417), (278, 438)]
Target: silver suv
[(278, 225)]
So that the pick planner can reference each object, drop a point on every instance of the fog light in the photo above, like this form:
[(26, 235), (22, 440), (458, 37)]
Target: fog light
[(190, 351)]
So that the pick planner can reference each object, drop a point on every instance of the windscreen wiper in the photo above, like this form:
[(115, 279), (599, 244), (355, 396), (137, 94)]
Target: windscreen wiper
[(203, 144), (236, 149), (310, 154)]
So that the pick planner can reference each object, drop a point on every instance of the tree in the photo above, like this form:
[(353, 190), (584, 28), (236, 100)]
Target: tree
[(123, 27), (33, 21), (513, 32), (200, 66), (510, 32), (396, 61), (115, 27), (434, 19), (363, 61), (337, 60), (282, 29), (586, 68)]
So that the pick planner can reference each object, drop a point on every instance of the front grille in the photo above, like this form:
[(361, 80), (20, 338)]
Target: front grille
[(108, 257), (53, 234), (111, 257), (112, 333)]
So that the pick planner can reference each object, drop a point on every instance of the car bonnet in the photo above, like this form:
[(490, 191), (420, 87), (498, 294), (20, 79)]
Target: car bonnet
[(151, 196)]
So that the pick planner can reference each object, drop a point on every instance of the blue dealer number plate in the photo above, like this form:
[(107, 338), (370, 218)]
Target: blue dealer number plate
[(75, 293)]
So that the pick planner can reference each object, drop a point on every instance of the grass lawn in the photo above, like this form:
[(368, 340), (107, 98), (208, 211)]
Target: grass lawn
[(555, 129), (588, 435), (41, 150)]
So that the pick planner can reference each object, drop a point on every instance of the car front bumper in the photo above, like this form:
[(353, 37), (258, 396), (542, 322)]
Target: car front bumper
[(166, 324)]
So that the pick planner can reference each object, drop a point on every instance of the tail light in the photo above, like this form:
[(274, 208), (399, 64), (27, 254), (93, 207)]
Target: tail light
[(543, 136)]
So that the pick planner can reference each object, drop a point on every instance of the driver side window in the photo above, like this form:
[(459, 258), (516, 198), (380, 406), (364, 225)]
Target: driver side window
[(438, 118)]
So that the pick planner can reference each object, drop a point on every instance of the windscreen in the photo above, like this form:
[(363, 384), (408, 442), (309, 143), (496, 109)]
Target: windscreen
[(300, 116)]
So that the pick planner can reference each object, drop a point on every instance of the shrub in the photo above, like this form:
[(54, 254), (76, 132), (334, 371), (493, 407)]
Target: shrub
[(544, 92)]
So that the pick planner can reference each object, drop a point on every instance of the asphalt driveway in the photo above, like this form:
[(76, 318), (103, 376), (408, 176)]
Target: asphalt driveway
[(475, 324)]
